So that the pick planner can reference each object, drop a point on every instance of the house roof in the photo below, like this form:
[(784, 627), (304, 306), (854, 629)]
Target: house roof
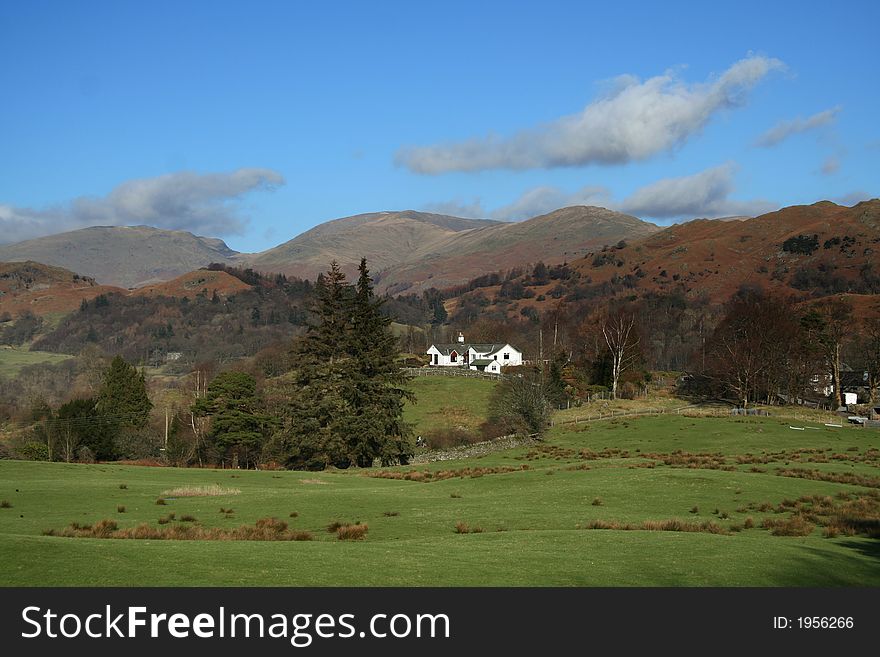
[(853, 379), (461, 347), (483, 362)]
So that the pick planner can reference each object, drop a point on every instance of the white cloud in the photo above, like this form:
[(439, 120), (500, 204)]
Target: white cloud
[(632, 121), (831, 165), (785, 129), (854, 197), (704, 194), (532, 203), (201, 203), (542, 200), (458, 208)]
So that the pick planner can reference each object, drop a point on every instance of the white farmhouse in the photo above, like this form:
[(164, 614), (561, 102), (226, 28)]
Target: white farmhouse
[(476, 356)]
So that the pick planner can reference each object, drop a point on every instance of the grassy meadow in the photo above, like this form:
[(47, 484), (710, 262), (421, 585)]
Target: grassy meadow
[(12, 359), (444, 402), (515, 517)]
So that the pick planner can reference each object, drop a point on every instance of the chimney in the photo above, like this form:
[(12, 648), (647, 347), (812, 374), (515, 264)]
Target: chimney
[(461, 337)]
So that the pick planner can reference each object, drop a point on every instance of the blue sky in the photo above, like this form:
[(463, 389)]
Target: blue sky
[(256, 121)]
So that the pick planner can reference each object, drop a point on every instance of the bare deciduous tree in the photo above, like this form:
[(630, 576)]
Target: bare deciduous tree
[(619, 332)]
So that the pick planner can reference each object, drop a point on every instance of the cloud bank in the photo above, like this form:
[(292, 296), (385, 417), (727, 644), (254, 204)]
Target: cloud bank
[(200, 203), (634, 121), (785, 129), (704, 194)]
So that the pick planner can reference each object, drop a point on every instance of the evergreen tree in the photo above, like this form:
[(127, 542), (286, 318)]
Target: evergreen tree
[(123, 399), (346, 393), (377, 392), (238, 428)]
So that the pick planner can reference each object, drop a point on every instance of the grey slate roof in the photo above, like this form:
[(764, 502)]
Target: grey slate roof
[(461, 347)]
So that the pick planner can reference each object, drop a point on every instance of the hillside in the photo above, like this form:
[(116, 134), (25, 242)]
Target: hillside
[(559, 236), (44, 290), (812, 251), (194, 283), (384, 238), (123, 256)]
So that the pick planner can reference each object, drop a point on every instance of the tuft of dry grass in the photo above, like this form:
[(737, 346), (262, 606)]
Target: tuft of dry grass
[(597, 501), (748, 523), (120, 508), (352, 532), (391, 514), (672, 525), (161, 501), (428, 476), (294, 514), (794, 526), (123, 486), (695, 509), (188, 519), (5, 504), (462, 528), (265, 529), (214, 490), (455, 496)]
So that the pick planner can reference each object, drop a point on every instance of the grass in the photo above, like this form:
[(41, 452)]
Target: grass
[(444, 403), (662, 529), (12, 360), (213, 490)]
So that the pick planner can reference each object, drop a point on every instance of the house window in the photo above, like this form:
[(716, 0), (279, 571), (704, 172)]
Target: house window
[(506, 356), (495, 357)]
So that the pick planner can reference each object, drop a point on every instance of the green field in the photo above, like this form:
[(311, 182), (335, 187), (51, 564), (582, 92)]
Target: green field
[(532, 519), (12, 360), (444, 402)]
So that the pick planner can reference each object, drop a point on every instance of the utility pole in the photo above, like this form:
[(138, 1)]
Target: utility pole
[(166, 428)]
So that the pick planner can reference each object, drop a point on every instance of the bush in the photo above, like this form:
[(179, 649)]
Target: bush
[(85, 455), (802, 244), (120, 508), (33, 451), (352, 532), (4, 504), (450, 437)]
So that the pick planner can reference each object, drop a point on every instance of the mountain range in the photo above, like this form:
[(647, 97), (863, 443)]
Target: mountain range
[(406, 250)]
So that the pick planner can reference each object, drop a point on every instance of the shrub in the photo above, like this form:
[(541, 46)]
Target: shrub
[(120, 508), (4, 504), (187, 518), (461, 528), (802, 244), (794, 526), (123, 486), (597, 501), (294, 514), (695, 509), (449, 437), (352, 532), (334, 526), (200, 491), (391, 514), (161, 501), (748, 523)]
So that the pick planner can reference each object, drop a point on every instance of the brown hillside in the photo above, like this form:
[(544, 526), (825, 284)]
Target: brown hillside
[(386, 239), (189, 285), (810, 251), (44, 290), (562, 235)]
